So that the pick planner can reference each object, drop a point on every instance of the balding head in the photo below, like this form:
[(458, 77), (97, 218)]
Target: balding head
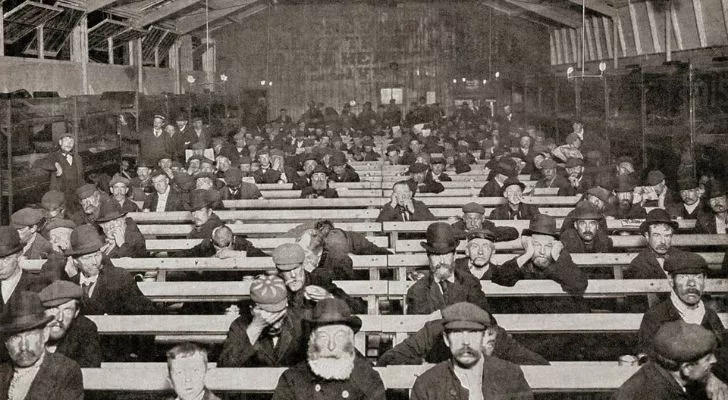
[(222, 236)]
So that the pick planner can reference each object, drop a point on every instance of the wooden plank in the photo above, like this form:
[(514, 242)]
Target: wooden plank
[(576, 54), (607, 36), (589, 41), (599, 6), (304, 203), (421, 226), (597, 37), (724, 8), (555, 13), (700, 22), (552, 48), (248, 229), (559, 50), (622, 42), (162, 12), (676, 25), (361, 214), (635, 28), (565, 45), (190, 22), (653, 27)]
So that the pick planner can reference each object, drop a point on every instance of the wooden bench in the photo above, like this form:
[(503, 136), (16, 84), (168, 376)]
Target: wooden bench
[(251, 229)]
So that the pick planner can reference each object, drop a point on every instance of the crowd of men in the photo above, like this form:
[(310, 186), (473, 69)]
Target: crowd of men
[(299, 318)]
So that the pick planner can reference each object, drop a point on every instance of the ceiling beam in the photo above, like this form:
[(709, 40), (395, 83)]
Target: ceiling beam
[(237, 19), (190, 22), (597, 5), (557, 14), (157, 14), (93, 5)]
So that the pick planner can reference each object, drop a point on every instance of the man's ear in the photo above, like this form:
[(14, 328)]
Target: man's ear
[(446, 339)]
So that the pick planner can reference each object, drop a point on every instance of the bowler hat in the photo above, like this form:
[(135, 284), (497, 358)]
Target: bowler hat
[(465, 316), (320, 169), (542, 224), (586, 210), (184, 181), (59, 292), (198, 146), (109, 211), (655, 177), (23, 313), (338, 159), (510, 182), (199, 198), (288, 256), (438, 160), (118, 179), (27, 217), (143, 163), (85, 239), (473, 207), (180, 117), (9, 241), (486, 234), (657, 216), (716, 188), (233, 177), (332, 311), (417, 168), (269, 293), (687, 183), (680, 342), (440, 239), (625, 184), (85, 191), (574, 162), (685, 262), (53, 199)]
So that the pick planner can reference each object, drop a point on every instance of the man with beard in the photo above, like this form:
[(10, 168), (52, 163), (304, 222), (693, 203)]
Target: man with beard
[(599, 198), (658, 229), (28, 221), (682, 364), (470, 373), (71, 334), (34, 373), (307, 288), (445, 285), (270, 335), (688, 272), (65, 167), (552, 179), (342, 172), (91, 198), (514, 207), (716, 220), (474, 219), (578, 182), (333, 369), (123, 238), (319, 187), (141, 185), (626, 209), (585, 235), (692, 205)]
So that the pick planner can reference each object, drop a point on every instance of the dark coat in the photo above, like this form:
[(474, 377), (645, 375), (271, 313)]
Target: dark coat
[(491, 189), (525, 211), (501, 380), (428, 344), (58, 378), (349, 175), (71, 178), (151, 147), (677, 210), (310, 193), (176, 201), (81, 343), (268, 176), (636, 211), (40, 249), (360, 245), (558, 182), (669, 200), (237, 352), (425, 187), (207, 396), (134, 243), (706, 223), (645, 265), (664, 312), (299, 382), (651, 382), (585, 184), (322, 277), (246, 191), (502, 233), (425, 296), (601, 243), (28, 282), (340, 266), (128, 206), (422, 213), (193, 137)]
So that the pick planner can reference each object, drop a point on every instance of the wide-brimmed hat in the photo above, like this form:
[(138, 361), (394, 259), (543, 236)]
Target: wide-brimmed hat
[(85, 239), (716, 188), (600, 193), (586, 210), (542, 225), (109, 211), (657, 216), (23, 312), (625, 184), (687, 183), (9, 241), (510, 182), (332, 311), (440, 239)]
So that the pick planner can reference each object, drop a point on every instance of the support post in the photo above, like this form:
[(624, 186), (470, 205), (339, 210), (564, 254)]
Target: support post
[(139, 65), (668, 46), (79, 50), (41, 42), (110, 46)]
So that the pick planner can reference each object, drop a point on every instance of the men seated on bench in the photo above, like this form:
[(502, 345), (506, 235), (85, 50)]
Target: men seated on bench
[(598, 197), (428, 345), (319, 187), (187, 367), (585, 235), (71, 334), (494, 187), (164, 197), (714, 220), (578, 182), (626, 208), (514, 208), (470, 373), (33, 372), (54, 205), (657, 194), (306, 288), (688, 272), (236, 189), (657, 229), (544, 257), (341, 170), (445, 284), (14, 279), (27, 222), (418, 183), (123, 238), (330, 257), (474, 218), (552, 178), (402, 207), (91, 198), (270, 334), (119, 186), (680, 368), (333, 368), (356, 242), (691, 204), (479, 250)]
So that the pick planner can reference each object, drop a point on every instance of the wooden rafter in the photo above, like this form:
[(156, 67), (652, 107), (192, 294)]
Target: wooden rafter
[(608, 35), (25, 18), (653, 27), (150, 42), (589, 42), (676, 27), (191, 22), (635, 29), (597, 37), (164, 11), (554, 13), (127, 35), (700, 22), (99, 34), (597, 5), (56, 32)]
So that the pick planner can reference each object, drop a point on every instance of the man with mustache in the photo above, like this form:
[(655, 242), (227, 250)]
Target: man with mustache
[(514, 207), (658, 229), (585, 235), (687, 275), (552, 178), (692, 205), (444, 285), (715, 220), (71, 334), (333, 368), (470, 373), (473, 218), (91, 199)]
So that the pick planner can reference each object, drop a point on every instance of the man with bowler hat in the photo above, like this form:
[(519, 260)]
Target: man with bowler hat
[(657, 229), (65, 167), (13, 279), (586, 235), (270, 335), (123, 238), (514, 207), (691, 204), (715, 219), (70, 333), (334, 368), (470, 373), (34, 373), (445, 284)]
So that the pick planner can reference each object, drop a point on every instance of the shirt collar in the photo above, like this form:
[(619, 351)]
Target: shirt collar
[(90, 280)]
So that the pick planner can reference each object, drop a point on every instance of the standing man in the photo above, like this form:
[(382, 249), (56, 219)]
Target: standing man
[(153, 145), (199, 134), (65, 167)]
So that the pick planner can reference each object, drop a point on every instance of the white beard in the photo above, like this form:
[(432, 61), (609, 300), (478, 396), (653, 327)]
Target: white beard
[(333, 368)]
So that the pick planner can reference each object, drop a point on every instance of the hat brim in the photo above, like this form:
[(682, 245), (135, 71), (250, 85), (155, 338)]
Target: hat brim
[(82, 251), (465, 325), (352, 322), (531, 232), (6, 251), (24, 323), (521, 184), (275, 307), (645, 225), (114, 215), (439, 249)]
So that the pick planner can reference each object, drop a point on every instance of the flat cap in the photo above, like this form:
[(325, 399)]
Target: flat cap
[(473, 208), (233, 176), (269, 293), (85, 191), (600, 193), (59, 292), (687, 183), (118, 179), (465, 316), (548, 164), (320, 169), (53, 199), (655, 177), (59, 223), (392, 148), (27, 217), (288, 256), (486, 234), (574, 162), (681, 342), (586, 211), (160, 116), (685, 262), (417, 168)]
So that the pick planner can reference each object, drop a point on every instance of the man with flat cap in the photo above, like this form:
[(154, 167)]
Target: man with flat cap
[(585, 235), (418, 183), (714, 220), (33, 372), (123, 237), (514, 207), (119, 186), (28, 222), (473, 218), (54, 205), (445, 284), (553, 179), (428, 345), (657, 193), (164, 197), (236, 189), (657, 229), (470, 373), (319, 187), (270, 335), (683, 357), (71, 334), (598, 197), (333, 369), (304, 287), (91, 199), (479, 250)]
